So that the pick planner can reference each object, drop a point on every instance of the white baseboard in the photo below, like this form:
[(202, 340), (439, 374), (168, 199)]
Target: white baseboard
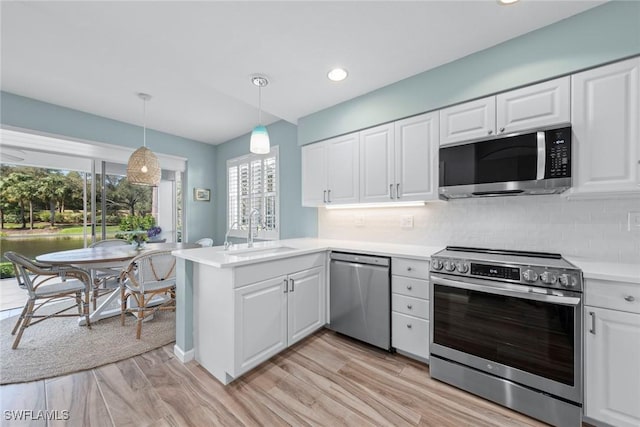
[(183, 356)]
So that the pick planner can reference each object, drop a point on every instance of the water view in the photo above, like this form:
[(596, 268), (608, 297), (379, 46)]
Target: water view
[(34, 246)]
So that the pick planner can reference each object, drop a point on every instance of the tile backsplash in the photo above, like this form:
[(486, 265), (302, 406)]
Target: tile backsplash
[(596, 229)]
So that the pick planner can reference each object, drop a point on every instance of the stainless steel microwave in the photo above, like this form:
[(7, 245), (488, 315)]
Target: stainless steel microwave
[(518, 164)]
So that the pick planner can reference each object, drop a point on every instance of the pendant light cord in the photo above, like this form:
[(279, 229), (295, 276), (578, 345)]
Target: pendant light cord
[(144, 123), (260, 105)]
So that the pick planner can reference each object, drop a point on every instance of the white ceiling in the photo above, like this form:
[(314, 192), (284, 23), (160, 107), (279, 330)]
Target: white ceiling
[(196, 58)]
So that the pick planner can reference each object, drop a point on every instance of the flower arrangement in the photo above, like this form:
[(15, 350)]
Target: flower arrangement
[(138, 229), (154, 231)]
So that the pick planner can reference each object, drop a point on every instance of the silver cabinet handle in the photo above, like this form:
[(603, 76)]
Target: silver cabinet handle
[(286, 286), (409, 306), (409, 325), (329, 196), (593, 322), (629, 298), (501, 129), (409, 287), (409, 268), (391, 191), (490, 132), (397, 191), (324, 196), (292, 284)]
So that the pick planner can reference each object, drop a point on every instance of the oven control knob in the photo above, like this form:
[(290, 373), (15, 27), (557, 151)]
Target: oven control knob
[(449, 265), (530, 275), (462, 267), (436, 264), (548, 278), (565, 280)]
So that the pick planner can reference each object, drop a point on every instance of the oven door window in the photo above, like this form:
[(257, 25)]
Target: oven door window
[(500, 160), (535, 337)]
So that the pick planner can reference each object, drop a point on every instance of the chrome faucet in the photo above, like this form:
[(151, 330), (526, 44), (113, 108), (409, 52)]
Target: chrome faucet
[(228, 244), (250, 236)]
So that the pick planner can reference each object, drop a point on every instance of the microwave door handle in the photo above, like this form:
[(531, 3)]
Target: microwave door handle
[(562, 300), (542, 155)]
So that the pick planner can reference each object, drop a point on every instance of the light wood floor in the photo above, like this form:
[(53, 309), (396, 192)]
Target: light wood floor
[(325, 380)]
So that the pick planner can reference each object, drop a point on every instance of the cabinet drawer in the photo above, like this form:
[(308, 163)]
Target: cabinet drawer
[(411, 306), (410, 268), (410, 334), (416, 288), (614, 295)]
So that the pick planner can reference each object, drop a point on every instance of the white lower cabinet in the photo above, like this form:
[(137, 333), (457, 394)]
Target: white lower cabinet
[(410, 307), (261, 322), (305, 303), (241, 320), (612, 356)]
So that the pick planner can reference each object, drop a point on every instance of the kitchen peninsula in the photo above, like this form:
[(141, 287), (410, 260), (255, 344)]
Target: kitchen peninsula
[(236, 308)]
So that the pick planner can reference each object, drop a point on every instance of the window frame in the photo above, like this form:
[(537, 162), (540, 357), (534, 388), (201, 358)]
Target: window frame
[(240, 231)]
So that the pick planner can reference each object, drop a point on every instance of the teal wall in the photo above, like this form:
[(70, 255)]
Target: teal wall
[(27, 113), (295, 221), (599, 35)]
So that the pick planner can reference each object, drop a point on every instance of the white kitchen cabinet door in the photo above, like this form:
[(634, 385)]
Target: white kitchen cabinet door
[(536, 106), (612, 366), (261, 323), (606, 129), (471, 120), (314, 175), (343, 173), (306, 303), (377, 177), (416, 158)]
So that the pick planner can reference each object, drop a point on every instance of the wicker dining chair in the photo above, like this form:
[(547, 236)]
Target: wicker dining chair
[(39, 280), (148, 275), (102, 276), (205, 242)]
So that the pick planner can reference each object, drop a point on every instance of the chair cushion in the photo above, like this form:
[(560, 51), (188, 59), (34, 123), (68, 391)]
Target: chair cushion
[(60, 287)]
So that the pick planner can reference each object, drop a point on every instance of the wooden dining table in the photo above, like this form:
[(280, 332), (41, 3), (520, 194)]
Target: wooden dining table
[(93, 259)]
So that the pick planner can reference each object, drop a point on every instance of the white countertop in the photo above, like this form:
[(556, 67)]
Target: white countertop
[(617, 272), (239, 255)]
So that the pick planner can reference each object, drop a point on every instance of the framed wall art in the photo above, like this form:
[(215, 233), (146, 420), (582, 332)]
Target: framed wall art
[(201, 194)]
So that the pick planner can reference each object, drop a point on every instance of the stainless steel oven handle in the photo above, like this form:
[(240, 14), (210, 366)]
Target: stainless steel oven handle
[(562, 300)]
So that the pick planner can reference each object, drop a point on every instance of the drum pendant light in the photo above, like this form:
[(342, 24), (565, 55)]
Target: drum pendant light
[(143, 167), (259, 137)]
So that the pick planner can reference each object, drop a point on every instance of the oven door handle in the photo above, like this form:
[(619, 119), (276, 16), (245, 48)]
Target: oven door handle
[(524, 294)]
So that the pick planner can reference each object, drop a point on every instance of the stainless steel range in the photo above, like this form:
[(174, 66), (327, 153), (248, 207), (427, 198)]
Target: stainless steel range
[(507, 325)]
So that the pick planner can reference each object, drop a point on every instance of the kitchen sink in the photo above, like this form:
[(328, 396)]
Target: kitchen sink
[(247, 253)]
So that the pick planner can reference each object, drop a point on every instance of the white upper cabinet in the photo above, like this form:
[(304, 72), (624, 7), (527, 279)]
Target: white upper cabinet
[(314, 175), (606, 129), (377, 176), (330, 171), (471, 120), (536, 106), (399, 161), (531, 107), (416, 158), (343, 172)]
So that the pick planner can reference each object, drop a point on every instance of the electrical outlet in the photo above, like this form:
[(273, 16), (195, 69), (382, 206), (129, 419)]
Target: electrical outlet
[(358, 220), (406, 221), (633, 222)]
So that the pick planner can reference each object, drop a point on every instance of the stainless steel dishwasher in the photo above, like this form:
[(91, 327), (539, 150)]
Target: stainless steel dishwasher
[(360, 298)]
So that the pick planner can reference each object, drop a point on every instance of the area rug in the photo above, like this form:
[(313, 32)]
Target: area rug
[(58, 346)]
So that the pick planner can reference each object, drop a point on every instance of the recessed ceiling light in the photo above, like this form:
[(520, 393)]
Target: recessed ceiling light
[(337, 74), (505, 2)]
